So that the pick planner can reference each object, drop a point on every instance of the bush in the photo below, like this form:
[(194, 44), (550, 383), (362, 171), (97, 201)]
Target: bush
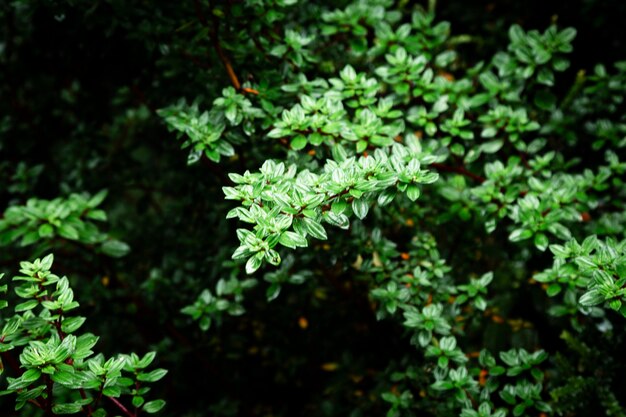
[(420, 222)]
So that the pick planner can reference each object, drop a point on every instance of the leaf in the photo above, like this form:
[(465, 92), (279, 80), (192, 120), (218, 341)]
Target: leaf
[(69, 408), (360, 207), (442, 385), (591, 298), (292, 240), (254, 263), (71, 324), (153, 406), (520, 234), (413, 192), (541, 241), (315, 229), (115, 248), (491, 147), (46, 230), (97, 199), (545, 100), (25, 306), (567, 35), (69, 232), (516, 34), (65, 378), (553, 289), (31, 375), (231, 113), (153, 376), (298, 143)]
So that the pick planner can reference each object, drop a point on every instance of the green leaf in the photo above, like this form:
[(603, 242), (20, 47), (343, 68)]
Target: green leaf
[(31, 375), (115, 248), (46, 230), (541, 241), (360, 207), (413, 192), (516, 34), (27, 305), (298, 143), (69, 232), (292, 240), (254, 263), (71, 324), (591, 298), (153, 406), (97, 199), (65, 378), (553, 289), (69, 408), (567, 35), (492, 147), (112, 391), (545, 100), (314, 228), (520, 234), (153, 376)]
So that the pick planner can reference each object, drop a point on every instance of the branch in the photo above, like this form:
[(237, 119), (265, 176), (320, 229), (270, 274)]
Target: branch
[(458, 170), (218, 48), (48, 408), (84, 397), (121, 407)]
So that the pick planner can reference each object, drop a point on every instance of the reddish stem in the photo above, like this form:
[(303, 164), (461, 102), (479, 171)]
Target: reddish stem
[(121, 407), (458, 170)]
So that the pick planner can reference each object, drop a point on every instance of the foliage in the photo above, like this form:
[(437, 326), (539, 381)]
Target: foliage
[(58, 371), (446, 204)]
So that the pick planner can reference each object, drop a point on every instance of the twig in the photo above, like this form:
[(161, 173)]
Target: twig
[(458, 170), (579, 82), (218, 49), (121, 407), (48, 382), (84, 397)]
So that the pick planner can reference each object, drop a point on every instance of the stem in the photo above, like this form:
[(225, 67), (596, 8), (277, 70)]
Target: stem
[(36, 403), (458, 170), (48, 382), (84, 397), (13, 363), (218, 49), (121, 407), (573, 91), (432, 5)]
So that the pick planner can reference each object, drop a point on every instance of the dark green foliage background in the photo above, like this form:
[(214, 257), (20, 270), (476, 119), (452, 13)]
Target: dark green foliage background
[(80, 83)]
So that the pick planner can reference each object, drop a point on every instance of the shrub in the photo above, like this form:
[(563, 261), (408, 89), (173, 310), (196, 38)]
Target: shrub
[(453, 216)]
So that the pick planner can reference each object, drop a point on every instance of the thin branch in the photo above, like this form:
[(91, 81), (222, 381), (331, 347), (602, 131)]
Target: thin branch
[(35, 403), (458, 170), (84, 397), (218, 48), (48, 382), (121, 407)]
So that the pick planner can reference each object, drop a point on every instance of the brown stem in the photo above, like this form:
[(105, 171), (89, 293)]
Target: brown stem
[(121, 407), (48, 382), (458, 170), (218, 48), (36, 403), (13, 363), (84, 397)]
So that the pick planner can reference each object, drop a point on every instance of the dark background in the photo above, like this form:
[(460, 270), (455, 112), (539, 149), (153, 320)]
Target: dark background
[(68, 74)]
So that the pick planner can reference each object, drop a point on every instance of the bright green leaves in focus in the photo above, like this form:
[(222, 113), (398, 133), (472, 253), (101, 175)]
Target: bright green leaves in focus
[(594, 271), (47, 222), (285, 206), (61, 373)]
